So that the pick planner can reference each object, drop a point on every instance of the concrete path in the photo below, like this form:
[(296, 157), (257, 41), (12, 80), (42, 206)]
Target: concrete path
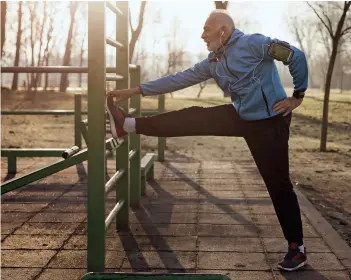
[(204, 217)]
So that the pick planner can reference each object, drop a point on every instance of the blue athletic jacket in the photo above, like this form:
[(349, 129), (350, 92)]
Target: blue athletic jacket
[(245, 72)]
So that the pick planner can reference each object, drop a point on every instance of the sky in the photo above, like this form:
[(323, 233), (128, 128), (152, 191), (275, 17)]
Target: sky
[(268, 18)]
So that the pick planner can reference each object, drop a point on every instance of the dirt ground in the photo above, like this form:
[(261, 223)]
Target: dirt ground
[(323, 177)]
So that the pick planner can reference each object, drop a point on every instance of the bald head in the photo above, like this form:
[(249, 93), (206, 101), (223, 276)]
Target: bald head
[(218, 28), (223, 19)]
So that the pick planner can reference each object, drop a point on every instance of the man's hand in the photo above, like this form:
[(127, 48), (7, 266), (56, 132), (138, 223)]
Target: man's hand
[(287, 105), (124, 94)]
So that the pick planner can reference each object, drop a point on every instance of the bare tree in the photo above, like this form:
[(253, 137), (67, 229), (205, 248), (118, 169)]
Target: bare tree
[(67, 56), (32, 13), (325, 11), (26, 85), (136, 32), (18, 45), (321, 65), (41, 35), (81, 59), (305, 31), (156, 20), (49, 44), (202, 86), (175, 52), (3, 24), (140, 57), (222, 5)]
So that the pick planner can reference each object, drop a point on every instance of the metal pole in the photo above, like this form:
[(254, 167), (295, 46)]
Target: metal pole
[(122, 153), (96, 136), (77, 119), (135, 171), (161, 140)]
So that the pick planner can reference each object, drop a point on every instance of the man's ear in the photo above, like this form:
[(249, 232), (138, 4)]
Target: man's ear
[(223, 30)]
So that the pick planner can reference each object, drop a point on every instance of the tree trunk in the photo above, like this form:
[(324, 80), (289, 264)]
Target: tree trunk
[(18, 46), (342, 82), (32, 44), (3, 24), (81, 61), (46, 74), (39, 62), (48, 50), (67, 56), (221, 5), (202, 86), (137, 31), (26, 85), (335, 39), (323, 145), (48, 53)]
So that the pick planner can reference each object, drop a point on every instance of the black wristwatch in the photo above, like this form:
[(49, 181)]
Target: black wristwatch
[(299, 94)]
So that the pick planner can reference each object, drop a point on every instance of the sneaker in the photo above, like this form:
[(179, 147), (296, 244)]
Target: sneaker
[(117, 117), (294, 259)]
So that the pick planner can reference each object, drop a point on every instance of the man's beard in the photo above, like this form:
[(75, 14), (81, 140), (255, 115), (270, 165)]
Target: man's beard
[(211, 47)]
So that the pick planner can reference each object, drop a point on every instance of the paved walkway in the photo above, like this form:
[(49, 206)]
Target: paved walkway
[(207, 216)]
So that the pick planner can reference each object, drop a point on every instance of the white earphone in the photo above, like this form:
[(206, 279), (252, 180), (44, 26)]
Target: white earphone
[(232, 83)]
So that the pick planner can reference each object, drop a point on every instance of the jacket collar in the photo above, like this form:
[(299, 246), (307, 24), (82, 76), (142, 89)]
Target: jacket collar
[(237, 34), (234, 37)]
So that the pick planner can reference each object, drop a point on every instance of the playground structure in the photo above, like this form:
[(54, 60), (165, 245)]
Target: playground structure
[(227, 213), (132, 171)]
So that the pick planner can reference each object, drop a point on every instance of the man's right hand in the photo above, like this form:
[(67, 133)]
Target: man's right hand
[(123, 94)]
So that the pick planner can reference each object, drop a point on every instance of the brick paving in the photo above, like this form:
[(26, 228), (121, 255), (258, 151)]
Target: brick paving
[(197, 216)]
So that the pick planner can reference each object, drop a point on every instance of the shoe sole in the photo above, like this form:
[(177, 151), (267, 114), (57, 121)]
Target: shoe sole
[(112, 122), (293, 268)]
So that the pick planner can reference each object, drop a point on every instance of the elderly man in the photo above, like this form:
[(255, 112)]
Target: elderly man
[(243, 67)]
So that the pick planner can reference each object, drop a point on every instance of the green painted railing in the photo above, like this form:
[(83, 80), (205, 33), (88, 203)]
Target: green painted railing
[(127, 180), (131, 174), (153, 276), (77, 112)]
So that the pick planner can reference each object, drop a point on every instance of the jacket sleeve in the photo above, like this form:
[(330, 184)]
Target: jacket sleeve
[(196, 74), (298, 66)]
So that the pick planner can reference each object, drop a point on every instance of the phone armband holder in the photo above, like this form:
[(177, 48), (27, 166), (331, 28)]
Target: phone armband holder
[(281, 51)]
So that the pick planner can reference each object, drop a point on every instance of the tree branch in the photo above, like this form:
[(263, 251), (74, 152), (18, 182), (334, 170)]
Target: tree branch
[(345, 31), (130, 22), (137, 31), (328, 18), (326, 26), (141, 16)]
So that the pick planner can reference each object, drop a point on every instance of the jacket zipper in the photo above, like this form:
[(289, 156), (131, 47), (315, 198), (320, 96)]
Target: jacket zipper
[(226, 63), (265, 101)]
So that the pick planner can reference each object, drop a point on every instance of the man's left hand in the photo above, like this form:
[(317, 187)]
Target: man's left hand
[(287, 105)]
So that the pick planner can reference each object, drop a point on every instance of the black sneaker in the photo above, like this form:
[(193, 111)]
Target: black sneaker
[(294, 259)]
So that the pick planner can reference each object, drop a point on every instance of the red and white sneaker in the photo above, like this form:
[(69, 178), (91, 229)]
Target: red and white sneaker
[(117, 117)]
